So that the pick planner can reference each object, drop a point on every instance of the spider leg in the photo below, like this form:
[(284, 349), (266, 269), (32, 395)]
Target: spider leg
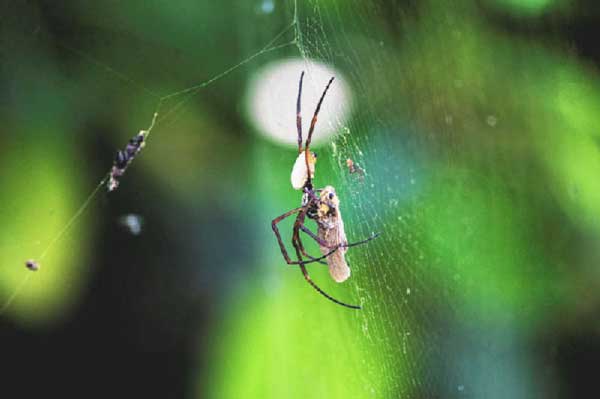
[(311, 193), (299, 114), (332, 247), (320, 291), (319, 240), (284, 252), (307, 254), (336, 247), (297, 242), (297, 246), (366, 240), (313, 123), (323, 243)]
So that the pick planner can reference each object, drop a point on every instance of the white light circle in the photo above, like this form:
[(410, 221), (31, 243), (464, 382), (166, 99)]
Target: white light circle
[(272, 94)]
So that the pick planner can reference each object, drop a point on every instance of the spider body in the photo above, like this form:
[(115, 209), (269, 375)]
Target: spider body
[(320, 205), (300, 174)]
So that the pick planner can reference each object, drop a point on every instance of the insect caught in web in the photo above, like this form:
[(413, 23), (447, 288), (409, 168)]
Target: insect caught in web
[(354, 168), (32, 265), (126, 156), (320, 205)]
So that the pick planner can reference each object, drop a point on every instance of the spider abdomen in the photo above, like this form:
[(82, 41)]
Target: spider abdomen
[(299, 175)]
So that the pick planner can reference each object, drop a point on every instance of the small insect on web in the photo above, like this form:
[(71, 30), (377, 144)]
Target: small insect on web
[(126, 156), (120, 164), (122, 161), (320, 205), (32, 265), (354, 168)]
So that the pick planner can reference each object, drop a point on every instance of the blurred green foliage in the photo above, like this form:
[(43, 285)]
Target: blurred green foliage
[(39, 196), (529, 8)]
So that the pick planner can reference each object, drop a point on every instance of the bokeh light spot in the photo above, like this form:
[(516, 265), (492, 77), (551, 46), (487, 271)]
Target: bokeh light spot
[(527, 7), (271, 100)]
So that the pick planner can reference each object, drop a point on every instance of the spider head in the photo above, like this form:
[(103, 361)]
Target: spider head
[(299, 173)]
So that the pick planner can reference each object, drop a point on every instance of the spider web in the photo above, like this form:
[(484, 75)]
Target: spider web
[(451, 291), (380, 350), (167, 109)]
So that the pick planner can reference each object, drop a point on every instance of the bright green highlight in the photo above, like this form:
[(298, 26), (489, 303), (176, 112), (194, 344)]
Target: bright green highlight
[(279, 338), (546, 107), (570, 148), (286, 341), (527, 7), (480, 237), (33, 211)]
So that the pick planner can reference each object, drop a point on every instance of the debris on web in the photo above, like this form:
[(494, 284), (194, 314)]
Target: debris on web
[(126, 156), (32, 265)]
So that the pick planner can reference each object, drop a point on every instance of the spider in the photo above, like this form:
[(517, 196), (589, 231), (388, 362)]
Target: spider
[(322, 206)]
